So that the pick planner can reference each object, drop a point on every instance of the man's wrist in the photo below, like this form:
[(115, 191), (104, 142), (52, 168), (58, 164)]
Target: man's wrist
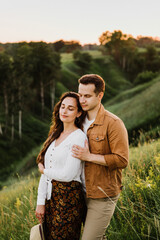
[(89, 157)]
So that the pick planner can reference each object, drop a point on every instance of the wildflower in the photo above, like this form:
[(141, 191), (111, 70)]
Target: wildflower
[(158, 160), (18, 203)]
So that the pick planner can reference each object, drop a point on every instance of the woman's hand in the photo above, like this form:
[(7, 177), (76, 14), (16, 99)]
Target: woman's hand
[(81, 153), (41, 168), (40, 211)]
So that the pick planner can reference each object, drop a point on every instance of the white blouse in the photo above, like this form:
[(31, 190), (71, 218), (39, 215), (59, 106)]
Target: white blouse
[(60, 165)]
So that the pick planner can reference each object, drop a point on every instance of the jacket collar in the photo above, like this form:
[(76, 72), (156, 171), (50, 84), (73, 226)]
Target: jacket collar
[(100, 117)]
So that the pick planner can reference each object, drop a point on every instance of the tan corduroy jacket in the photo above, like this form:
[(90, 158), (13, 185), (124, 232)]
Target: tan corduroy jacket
[(107, 136)]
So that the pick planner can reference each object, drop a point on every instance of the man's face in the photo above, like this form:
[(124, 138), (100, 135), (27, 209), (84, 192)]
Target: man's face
[(87, 97)]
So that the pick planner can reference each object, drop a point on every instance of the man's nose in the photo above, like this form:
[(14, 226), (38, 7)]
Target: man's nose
[(82, 99)]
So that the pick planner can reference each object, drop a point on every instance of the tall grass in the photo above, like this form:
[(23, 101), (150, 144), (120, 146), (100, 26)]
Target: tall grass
[(17, 209), (137, 215)]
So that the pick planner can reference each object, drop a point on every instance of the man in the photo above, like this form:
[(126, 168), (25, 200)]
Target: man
[(105, 157)]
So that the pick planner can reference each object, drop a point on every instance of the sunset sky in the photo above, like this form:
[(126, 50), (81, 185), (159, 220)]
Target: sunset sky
[(82, 20)]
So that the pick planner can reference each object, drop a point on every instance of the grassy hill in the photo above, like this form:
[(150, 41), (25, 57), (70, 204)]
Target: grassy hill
[(136, 215), (139, 106), (116, 81)]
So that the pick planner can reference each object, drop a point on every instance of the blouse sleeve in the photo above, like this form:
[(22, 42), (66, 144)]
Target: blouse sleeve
[(42, 190), (72, 165)]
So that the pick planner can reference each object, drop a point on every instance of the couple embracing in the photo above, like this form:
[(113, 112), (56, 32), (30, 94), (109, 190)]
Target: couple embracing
[(81, 165)]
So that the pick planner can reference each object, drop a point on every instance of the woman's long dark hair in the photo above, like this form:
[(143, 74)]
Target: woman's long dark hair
[(57, 125)]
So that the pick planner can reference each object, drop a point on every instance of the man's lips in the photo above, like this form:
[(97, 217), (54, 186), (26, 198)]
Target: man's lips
[(83, 105)]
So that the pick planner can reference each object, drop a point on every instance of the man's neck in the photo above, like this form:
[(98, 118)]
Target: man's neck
[(93, 113)]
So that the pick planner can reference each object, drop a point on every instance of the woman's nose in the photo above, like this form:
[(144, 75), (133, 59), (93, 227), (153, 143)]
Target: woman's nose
[(64, 110)]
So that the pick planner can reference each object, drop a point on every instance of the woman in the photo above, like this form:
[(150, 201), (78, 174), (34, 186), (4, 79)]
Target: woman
[(60, 195)]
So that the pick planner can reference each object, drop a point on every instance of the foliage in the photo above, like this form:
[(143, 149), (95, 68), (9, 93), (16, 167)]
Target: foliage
[(34, 132), (28, 72), (145, 76), (125, 51), (83, 60), (144, 42), (66, 46), (120, 46)]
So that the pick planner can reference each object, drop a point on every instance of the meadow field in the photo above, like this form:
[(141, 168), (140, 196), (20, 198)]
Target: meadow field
[(137, 215)]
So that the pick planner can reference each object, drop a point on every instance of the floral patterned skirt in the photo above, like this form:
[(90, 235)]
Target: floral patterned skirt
[(65, 211)]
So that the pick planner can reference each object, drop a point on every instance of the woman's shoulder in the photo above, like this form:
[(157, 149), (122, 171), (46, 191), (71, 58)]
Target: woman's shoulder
[(78, 135)]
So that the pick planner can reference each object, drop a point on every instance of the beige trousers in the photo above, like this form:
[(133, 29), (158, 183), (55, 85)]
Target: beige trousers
[(99, 214)]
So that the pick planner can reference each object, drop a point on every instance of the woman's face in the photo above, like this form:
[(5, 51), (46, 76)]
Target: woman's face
[(68, 110)]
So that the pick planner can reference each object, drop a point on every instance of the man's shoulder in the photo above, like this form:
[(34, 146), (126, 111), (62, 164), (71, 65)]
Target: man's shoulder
[(110, 116)]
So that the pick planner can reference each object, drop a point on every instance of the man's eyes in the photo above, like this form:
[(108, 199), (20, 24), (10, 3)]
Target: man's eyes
[(86, 96)]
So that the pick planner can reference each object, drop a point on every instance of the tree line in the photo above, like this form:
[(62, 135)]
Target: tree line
[(140, 65), (28, 71)]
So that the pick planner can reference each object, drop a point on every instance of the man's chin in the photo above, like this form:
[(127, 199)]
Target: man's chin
[(85, 108)]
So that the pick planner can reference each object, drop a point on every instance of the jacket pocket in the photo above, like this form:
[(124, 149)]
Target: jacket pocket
[(96, 143)]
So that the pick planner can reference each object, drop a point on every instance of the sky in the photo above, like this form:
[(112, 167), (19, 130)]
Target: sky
[(80, 20)]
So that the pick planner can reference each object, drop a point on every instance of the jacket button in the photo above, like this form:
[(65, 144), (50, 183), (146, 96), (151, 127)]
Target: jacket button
[(97, 138)]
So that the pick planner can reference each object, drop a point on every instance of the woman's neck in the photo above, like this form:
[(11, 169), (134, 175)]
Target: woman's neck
[(68, 127)]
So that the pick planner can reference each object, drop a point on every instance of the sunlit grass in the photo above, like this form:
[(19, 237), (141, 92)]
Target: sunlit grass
[(139, 109), (17, 209), (95, 53), (137, 214), (68, 57)]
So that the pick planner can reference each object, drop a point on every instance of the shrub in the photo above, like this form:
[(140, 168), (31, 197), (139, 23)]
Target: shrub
[(145, 76)]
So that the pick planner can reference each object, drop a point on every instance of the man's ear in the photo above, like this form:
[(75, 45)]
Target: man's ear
[(100, 95)]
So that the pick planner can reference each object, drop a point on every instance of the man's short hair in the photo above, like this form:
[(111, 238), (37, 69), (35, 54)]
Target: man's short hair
[(93, 79)]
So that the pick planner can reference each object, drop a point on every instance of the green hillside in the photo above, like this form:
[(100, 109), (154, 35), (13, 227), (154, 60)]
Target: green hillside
[(34, 133), (138, 107), (116, 81)]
